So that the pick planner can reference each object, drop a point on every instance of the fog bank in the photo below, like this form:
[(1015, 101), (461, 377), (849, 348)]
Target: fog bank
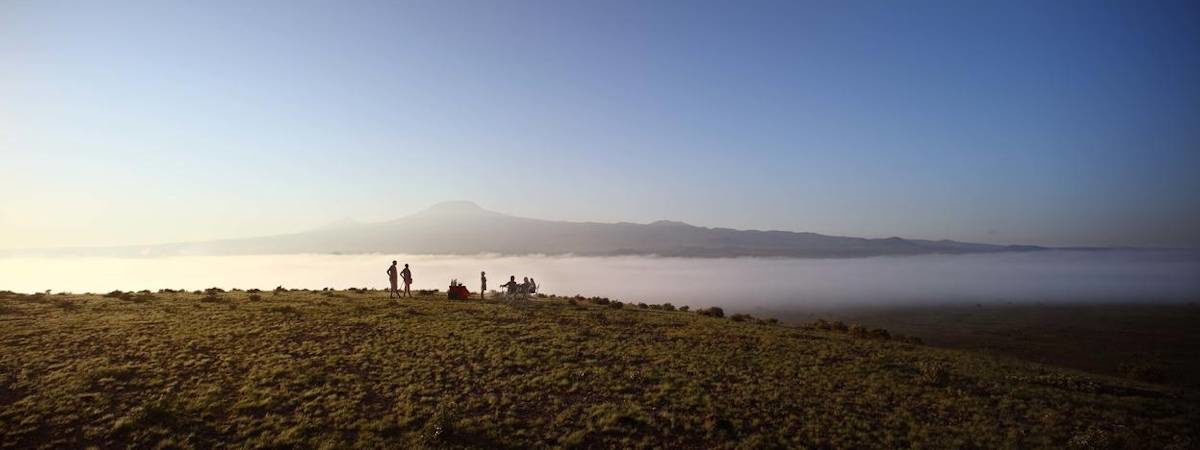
[(735, 283)]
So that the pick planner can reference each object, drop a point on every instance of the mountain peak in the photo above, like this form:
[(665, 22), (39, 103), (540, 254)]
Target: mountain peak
[(672, 223), (458, 207)]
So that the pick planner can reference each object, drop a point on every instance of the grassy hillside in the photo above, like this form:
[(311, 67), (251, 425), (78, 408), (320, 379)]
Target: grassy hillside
[(337, 369), (1158, 343)]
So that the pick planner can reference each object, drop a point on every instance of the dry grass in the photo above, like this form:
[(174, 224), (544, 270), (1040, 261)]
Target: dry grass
[(351, 368)]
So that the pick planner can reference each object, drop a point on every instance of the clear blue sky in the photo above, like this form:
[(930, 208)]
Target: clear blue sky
[(1021, 122)]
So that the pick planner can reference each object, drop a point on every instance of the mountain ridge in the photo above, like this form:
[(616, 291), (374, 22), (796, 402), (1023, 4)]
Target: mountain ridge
[(464, 228)]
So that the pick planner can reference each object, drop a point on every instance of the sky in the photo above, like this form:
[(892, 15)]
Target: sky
[(1050, 123)]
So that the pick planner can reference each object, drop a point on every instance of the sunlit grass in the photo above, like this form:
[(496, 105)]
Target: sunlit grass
[(352, 368)]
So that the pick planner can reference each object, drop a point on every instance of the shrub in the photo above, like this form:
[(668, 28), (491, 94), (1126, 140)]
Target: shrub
[(642, 305), (214, 290), (616, 304), (740, 317), (255, 297), (668, 307), (838, 326), (684, 308), (1143, 372), (714, 311), (932, 373), (254, 291), (599, 300), (859, 331), (772, 321)]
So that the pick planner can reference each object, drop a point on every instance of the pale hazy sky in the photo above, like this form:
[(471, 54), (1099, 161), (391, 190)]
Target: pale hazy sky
[(1018, 122)]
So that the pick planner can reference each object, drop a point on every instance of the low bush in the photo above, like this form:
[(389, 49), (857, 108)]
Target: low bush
[(684, 308), (616, 304), (1143, 372), (859, 331), (932, 373), (740, 317), (713, 311), (642, 305), (668, 307)]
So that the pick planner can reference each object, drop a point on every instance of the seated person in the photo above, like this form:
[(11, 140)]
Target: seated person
[(511, 286)]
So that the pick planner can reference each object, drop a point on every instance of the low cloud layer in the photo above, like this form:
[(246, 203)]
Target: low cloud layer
[(736, 283)]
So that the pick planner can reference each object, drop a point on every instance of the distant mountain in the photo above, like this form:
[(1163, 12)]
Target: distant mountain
[(465, 228)]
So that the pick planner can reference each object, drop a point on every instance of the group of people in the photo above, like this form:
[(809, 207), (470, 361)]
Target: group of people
[(392, 277), (511, 288)]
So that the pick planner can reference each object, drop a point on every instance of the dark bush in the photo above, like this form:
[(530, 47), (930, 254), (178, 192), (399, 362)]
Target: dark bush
[(279, 289), (740, 317), (214, 290), (616, 304), (255, 297), (642, 305), (859, 331), (713, 312), (600, 300), (1143, 372), (838, 326), (932, 373), (684, 308), (668, 307)]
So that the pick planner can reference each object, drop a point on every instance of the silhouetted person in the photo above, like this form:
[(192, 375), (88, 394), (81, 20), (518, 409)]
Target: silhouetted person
[(482, 284), (392, 276), (511, 286), (533, 287), (407, 276)]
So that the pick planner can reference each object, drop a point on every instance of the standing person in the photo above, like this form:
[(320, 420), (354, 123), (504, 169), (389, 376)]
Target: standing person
[(392, 274), (482, 284), (407, 276)]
